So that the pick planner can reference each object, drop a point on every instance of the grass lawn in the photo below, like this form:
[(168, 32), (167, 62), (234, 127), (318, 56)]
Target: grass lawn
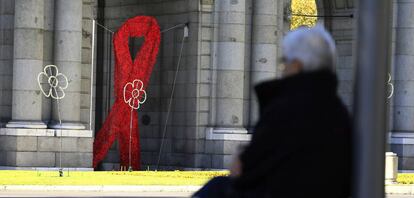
[(13, 177)]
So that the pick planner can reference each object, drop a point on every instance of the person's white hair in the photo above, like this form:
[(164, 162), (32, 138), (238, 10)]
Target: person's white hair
[(313, 47)]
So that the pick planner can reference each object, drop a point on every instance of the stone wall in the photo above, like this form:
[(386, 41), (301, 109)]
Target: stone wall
[(35, 33), (342, 30), (402, 103), (41, 148), (6, 59), (89, 12), (240, 45)]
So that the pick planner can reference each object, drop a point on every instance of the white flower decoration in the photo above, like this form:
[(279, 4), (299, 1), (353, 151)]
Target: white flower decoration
[(134, 95), (56, 82), (389, 83)]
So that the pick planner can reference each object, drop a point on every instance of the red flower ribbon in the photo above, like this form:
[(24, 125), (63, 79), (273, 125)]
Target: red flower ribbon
[(116, 125)]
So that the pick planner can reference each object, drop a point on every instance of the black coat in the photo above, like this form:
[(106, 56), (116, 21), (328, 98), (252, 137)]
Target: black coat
[(301, 144)]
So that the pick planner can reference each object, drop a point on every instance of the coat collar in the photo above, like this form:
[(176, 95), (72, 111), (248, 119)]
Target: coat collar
[(320, 83)]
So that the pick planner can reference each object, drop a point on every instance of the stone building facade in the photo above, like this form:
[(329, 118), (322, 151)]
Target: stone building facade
[(232, 45), (34, 34)]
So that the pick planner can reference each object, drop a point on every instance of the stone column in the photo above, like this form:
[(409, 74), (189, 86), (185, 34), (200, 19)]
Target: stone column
[(67, 48), (287, 19), (403, 107), (27, 63), (230, 66), (264, 48), (48, 50)]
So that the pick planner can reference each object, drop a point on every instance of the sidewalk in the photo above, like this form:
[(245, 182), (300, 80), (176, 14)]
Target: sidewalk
[(104, 188), (406, 189), (399, 189)]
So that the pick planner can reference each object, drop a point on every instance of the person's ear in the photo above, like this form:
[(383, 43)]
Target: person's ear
[(297, 66)]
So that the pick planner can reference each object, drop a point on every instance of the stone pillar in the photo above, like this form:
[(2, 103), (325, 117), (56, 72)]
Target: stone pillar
[(27, 63), (67, 48), (48, 50), (230, 66), (403, 107), (286, 14), (264, 48), (6, 59)]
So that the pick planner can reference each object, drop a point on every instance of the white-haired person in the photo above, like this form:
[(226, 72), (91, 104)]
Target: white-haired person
[(301, 145)]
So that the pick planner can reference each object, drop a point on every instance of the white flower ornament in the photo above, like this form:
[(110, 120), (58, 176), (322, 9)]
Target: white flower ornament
[(391, 86), (134, 95), (56, 82)]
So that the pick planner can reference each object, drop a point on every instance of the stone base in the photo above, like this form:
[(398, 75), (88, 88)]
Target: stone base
[(43, 148), (222, 144), (45, 168), (26, 124), (67, 125), (237, 134), (45, 132), (403, 144)]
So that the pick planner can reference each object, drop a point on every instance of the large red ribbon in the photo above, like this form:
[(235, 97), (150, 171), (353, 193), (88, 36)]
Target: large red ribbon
[(116, 125)]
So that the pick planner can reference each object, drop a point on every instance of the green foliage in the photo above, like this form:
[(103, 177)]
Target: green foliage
[(303, 7)]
